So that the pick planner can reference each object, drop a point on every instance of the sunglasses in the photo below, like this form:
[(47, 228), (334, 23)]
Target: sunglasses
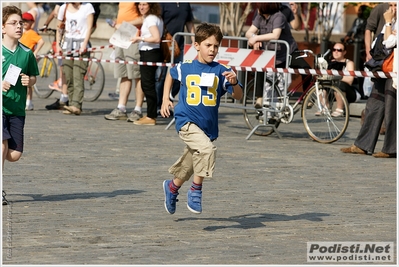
[(337, 50)]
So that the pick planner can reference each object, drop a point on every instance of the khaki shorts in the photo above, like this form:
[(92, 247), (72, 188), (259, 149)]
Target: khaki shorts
[(131, 71), (199, 154)]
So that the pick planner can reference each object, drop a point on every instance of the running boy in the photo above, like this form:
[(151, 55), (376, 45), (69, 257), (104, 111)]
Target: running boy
[(203, 83), (19, 71)]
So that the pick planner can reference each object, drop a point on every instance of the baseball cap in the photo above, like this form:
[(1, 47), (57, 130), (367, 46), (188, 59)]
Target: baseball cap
[(28, 16)]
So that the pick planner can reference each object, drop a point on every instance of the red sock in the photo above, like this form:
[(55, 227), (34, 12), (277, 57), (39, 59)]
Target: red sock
[(195, 186), (173, 188)]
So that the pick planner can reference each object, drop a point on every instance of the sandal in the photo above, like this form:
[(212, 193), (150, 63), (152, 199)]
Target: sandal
[(337, 113)]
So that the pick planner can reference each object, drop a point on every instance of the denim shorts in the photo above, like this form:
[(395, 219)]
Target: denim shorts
[(13, 131)]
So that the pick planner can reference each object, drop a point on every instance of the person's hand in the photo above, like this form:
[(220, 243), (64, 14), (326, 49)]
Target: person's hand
[(165, 108), (6, 86), (136, 39), (252, 40), (230, 76), (24, 79), (82, 49), (257, 46)]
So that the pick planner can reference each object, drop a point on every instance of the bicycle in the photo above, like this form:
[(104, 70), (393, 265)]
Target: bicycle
[(315, 110), (94, 79)]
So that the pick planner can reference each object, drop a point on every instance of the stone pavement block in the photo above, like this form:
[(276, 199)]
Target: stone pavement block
[(89, 191)]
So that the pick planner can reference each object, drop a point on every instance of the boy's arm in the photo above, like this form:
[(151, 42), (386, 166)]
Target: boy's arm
[(231, 77), (27, 80), (237, 92), (39, 45), (166, 103)]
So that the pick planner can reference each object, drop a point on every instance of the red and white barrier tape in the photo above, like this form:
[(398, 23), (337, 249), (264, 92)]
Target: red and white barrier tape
[(356, 73), (89, 49)]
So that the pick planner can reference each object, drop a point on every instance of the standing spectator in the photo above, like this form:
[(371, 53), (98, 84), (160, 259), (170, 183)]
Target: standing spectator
[(129, 13), (196, 115), (358, 26), (35, 42), (381, 104), (60, 84), (176, 17), (14, 96), (78, 25), (375, 23), (149, 46)]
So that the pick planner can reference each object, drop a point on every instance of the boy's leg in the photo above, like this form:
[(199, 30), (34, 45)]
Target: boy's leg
[(182, 170), (194, 195), (29, 104), (13, 137), (199, 160)]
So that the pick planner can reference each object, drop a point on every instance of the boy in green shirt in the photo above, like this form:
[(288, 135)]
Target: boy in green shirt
[(19, 70)]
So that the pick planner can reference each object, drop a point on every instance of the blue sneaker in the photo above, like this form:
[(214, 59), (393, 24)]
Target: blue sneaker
[(194, 200), (170, 198)]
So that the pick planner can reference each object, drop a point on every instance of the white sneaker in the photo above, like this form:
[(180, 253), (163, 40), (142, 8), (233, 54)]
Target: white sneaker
[(29, 106)]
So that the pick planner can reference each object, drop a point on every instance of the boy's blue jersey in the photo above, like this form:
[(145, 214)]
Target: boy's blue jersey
[(200, 104)]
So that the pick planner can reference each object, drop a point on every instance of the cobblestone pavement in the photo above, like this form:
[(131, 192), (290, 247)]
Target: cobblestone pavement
[(89, 191)]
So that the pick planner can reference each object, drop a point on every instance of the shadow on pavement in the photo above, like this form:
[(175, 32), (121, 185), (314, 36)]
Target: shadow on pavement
[(63, 197), (257, 220)]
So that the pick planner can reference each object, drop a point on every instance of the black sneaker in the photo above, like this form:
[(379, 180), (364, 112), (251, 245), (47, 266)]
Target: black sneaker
[(5, 201), (57, 105)]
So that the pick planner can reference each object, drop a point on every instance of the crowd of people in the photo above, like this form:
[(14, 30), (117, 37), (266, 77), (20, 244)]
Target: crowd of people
[(195, 115)]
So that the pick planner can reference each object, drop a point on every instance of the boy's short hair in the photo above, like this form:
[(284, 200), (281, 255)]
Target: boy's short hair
[(10, 10), (206, 30)]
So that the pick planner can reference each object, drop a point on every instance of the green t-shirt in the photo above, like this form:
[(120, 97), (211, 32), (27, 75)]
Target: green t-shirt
[(14, 100)]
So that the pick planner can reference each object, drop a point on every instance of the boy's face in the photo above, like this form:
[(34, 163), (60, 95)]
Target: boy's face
[(13, 27), (28, 24), (207, 49)]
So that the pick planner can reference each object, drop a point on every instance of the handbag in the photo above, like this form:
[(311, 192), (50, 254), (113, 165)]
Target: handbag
[(166, 46), (387, 65)]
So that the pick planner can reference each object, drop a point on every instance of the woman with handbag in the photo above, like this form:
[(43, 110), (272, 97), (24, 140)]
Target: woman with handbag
[(149, 46), (78, 24), (381, 105)]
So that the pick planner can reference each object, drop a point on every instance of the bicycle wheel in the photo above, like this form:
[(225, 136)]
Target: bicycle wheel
[(253, 116), (48, 73), (94, 81), (321, 126)]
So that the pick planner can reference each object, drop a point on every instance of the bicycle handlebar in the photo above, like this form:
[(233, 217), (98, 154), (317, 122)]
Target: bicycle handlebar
[(47, 29), (306, 51)]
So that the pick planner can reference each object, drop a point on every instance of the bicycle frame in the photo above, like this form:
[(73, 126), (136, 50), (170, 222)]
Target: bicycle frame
[(89, 73)]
